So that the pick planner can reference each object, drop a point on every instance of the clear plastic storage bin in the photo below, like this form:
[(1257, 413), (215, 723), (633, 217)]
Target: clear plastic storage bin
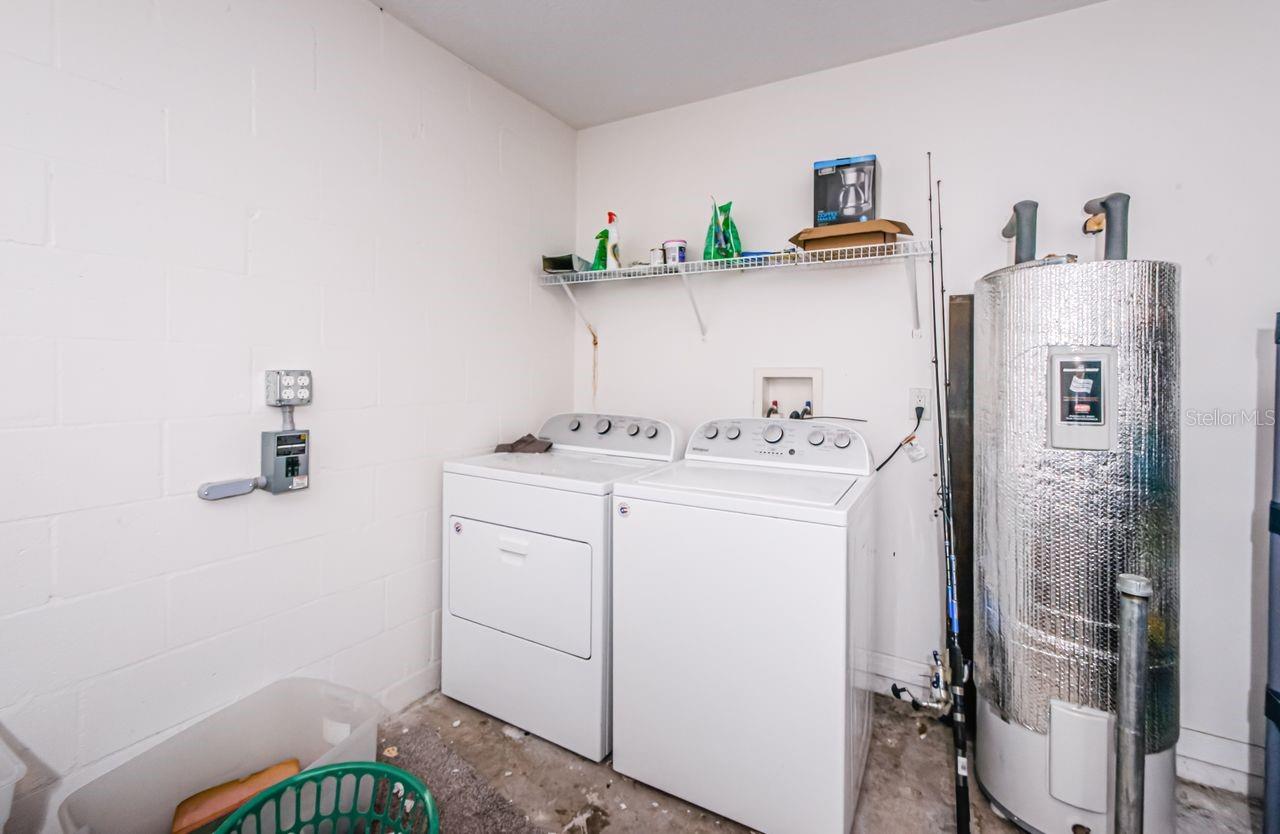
[(314, 721), (12, 770)]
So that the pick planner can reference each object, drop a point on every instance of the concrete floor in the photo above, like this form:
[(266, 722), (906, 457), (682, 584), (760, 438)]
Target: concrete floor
[(907, 787)]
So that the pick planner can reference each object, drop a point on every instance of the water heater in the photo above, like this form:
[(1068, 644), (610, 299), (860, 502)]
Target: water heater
[(1076, 411)]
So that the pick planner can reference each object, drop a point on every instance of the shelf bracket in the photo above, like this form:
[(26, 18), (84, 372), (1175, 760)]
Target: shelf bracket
[(913, 294), (576, 309), (595, 342), (702, 326)]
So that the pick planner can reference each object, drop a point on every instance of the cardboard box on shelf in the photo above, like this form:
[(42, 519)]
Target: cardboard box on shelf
[(846, 235)]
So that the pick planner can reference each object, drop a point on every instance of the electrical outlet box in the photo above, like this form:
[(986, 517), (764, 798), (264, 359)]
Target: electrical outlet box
[(791, 387), (284, 460), (289, 388), (922, 398)]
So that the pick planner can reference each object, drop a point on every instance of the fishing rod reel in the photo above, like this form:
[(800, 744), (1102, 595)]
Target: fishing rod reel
[(939, 691)]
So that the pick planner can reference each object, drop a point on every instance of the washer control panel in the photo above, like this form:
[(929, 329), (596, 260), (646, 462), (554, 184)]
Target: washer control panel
[(798, 444), (617, 434)]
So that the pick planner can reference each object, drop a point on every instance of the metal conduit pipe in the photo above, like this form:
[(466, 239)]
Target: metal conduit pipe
[(1131, 702)]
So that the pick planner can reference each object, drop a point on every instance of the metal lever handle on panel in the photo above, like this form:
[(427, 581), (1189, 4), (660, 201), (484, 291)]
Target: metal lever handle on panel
[(217, 490)]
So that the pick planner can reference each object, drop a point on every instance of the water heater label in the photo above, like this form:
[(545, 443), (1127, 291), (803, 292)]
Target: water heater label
[(1081, 383), (1080, 387)]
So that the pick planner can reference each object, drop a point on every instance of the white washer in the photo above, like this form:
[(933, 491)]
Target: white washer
[(526, 575), (742, 610)]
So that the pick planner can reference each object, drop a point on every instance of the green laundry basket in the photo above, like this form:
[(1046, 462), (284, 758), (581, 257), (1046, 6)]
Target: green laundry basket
[(343, 798)]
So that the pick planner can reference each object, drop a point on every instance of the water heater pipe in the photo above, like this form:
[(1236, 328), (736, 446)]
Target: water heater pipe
[(1022, 229), (1115, 207), (1131, 702)]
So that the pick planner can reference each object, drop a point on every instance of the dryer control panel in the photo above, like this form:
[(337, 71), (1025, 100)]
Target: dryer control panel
[(795, 444), (616, 434)]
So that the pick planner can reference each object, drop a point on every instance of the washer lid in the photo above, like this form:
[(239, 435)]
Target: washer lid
[(811, 489), (572, 471)]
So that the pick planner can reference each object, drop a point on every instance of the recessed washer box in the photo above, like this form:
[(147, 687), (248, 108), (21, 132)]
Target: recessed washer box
[(791, 387)]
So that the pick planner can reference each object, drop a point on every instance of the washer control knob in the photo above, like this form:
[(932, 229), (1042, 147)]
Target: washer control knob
[(733, 432), (603, 425), (633, 429), (575, 424), (710, 431), (816, 437), (651, 432), (772, 433), (843, 440)]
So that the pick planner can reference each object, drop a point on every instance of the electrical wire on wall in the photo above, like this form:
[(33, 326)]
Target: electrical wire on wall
[(909, 438), (595, 362), (833, 417)]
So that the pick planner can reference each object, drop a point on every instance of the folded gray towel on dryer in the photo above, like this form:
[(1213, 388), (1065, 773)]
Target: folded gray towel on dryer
[(527, 444)]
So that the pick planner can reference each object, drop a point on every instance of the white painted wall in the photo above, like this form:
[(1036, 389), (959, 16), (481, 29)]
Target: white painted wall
[(193, 192), (1166, 100)]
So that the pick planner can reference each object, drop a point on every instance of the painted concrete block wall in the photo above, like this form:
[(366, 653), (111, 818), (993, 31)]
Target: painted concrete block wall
[(1146, 96), (191, 193)]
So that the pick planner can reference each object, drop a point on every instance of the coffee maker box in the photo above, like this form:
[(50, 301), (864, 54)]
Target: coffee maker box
[(845, 190)]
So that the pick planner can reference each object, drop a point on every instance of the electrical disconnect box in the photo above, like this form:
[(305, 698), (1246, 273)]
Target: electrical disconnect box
[(285, 453), (284, 460)]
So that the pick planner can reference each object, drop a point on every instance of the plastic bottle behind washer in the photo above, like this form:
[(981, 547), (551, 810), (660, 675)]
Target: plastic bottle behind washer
[(614, 258)]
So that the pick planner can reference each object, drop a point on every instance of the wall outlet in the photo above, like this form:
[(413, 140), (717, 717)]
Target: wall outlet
[(922, 398), (288, 388)]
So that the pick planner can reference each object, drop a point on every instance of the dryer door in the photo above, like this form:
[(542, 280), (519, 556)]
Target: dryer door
[(529, 585)]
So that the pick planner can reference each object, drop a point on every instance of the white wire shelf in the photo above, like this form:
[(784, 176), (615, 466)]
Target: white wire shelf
[(852, 256), (905, 252)]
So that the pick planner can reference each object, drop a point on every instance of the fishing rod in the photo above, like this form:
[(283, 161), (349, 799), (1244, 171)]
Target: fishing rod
[(949, 677), (957, 668)]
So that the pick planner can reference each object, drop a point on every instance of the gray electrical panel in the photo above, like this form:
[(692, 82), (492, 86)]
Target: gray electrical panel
[(284, 460), (285, 453)]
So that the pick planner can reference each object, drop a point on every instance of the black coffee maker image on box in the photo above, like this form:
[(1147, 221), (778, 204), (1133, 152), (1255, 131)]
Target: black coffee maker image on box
[(844, 190)]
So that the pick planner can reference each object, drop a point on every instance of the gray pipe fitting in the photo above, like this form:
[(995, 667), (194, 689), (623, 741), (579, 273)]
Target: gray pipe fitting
[(1131, 703), (1115, 207), (1022, 229)]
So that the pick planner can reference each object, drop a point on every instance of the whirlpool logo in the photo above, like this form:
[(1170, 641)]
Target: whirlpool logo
[(699, 449)]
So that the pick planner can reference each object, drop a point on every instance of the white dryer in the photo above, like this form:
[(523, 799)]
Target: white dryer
[(526, 620), (742, 609)]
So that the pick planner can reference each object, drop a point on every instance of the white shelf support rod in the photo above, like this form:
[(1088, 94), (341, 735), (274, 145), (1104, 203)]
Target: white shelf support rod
[(913, 293), (595, 343), (702, 326), (576, 308)]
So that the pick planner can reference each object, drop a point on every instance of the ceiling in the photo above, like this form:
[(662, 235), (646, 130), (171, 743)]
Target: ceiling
[(595, 61)]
